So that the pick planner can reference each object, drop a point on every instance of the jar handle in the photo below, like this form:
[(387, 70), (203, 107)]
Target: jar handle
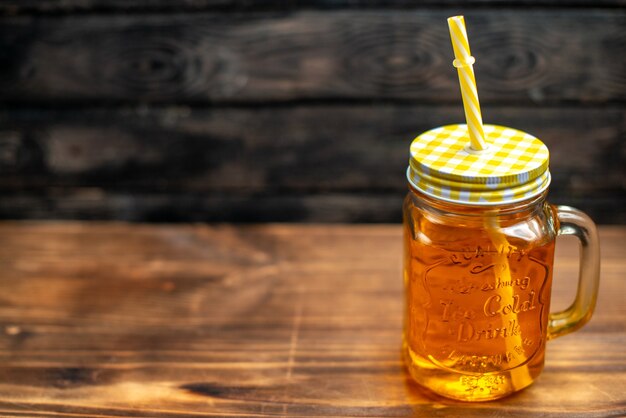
[(574, 222)]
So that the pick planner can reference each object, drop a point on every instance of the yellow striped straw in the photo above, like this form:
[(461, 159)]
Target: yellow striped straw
[(463, 63)]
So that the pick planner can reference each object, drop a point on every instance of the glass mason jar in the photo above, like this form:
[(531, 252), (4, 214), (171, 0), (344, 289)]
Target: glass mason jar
[(479, 250)]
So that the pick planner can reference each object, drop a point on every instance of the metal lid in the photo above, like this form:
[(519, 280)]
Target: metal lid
[(514, 166)]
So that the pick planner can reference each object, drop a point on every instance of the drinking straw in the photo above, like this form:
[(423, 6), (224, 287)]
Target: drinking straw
[(520, 375), (463, 63)]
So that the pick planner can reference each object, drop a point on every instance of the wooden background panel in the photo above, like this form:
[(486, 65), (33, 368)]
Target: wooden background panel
[(523, 56), (289, 112), (274, 149), (266, 159), (11, 7), (106, 319), (90, 203)]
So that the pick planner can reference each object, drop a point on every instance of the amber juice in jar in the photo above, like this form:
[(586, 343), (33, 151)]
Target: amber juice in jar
[(477, 304), (479, 248)]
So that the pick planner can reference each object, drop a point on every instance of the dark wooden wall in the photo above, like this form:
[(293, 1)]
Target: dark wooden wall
[(242, 110)]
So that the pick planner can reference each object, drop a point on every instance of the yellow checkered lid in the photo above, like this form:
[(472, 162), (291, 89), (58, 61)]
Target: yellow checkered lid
[(514, 166)]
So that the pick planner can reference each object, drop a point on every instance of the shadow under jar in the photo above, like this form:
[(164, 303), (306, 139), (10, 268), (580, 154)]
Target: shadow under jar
[(479, 249)]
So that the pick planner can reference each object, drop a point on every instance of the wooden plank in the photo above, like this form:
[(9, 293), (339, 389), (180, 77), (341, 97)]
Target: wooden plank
[(238, 164), (523, 56), (107, 319), (92, 203), (12, 7), (299, 148), (270, 165)]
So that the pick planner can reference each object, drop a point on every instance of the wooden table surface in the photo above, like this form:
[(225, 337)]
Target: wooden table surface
[(110, 319)]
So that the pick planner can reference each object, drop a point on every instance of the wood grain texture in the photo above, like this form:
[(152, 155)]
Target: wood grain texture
[(92, 203), (272, 164), (12, 7), (523, 56), (107, 319)]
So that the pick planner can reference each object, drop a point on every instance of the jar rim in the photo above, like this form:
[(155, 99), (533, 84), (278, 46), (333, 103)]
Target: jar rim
[(519, 195)]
